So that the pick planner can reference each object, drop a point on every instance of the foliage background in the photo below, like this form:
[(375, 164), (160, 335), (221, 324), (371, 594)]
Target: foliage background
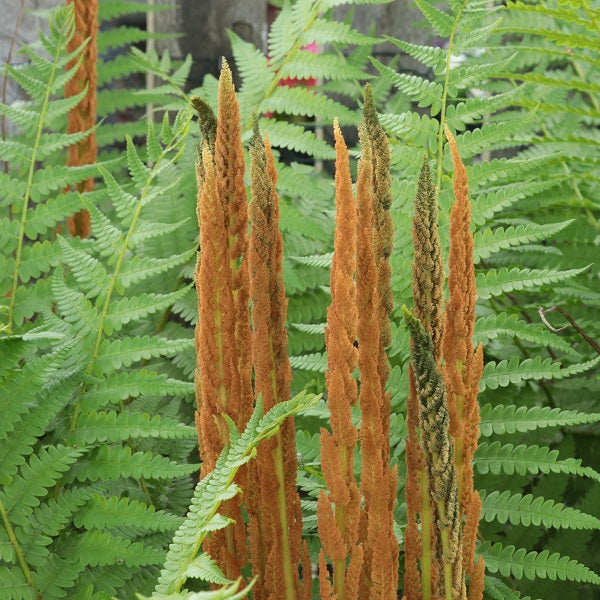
[(103, 378)]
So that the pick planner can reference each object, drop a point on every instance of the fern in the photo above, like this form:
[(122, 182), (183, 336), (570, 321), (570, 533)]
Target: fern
[(182, 562), (525, 510), (518, 563), (43, 79)]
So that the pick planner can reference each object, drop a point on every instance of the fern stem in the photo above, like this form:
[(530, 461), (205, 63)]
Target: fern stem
[(119, 264), (293, 51), (440, 140), (426, 522), (15, 544), (288, 572), (36, 145)]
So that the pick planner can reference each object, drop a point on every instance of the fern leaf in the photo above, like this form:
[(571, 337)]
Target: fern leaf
[(433, 57), (485, 137), (519, 563), (107, 463), (526, 510), (441, 22), (486, 206), (428, 93), (494, 458), (114, 427), (210, 490), (102, 513), (295, 137), (322, 261), (303, 101), (505, 372), (411, 128), (489, 241), (305, 65), (97, 548), (120, 386), (492, 326), (87, 270), (310, 362), (323, 31), (205, 568), (502, 419), (34, 478), (131, 309), (496, 282)]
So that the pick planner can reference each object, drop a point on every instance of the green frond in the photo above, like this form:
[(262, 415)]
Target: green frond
[(123, 352), (491, 135), (441, 22), (520, 563), (488, 241), (495, 282), (485, 206), (501, 419), (120, 386), (458, 116), (203, 567), (74, 307), (295, 137), (423, 91), (514, 371), (306, 102), (102, 513), (134, 308), (112, 427), (495, 458), (33, 480), (310, 362), (527, 510), (495, 325), (108, 463), (250, 61), (98, 548), (431, 56), (211, 490), (411, 128), (322, 261), (332, 32), (305, 65)]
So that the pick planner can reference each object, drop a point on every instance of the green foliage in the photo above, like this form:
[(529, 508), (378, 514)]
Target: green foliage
[(98, 450)]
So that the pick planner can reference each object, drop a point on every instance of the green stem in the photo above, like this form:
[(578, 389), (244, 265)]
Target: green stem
[(426, 522), (445, 552), (32, 168), (288, 573), (118, 266), (440, 140), (15, 544)]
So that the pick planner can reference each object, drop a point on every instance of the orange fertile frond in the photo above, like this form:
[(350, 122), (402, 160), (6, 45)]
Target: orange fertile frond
[(280, 526), (337, 448), (463, 365), (377, 536), (83, 116)]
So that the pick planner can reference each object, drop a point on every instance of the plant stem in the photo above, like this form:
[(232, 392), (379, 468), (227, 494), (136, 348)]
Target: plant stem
[(15, 544), (118, 266), (426, 522), (32, 166), (288, 574), (440, 140)]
